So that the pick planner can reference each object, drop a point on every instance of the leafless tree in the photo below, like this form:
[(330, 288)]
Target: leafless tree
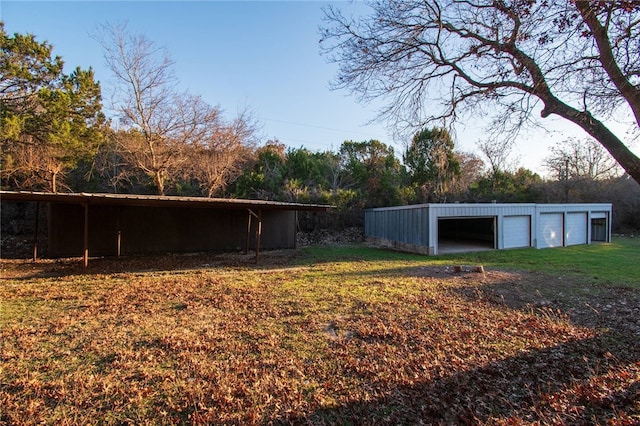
[(500, 59), (335, 174), (33, 165), (219, 158), (162, 124), (498, 153), (575, 158)]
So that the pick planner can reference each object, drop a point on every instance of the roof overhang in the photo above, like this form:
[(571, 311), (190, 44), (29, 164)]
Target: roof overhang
[(156, 201)]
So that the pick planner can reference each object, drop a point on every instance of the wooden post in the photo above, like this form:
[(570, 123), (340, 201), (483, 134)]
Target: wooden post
[(258, 234), (35, 233), (295, 229), (86, 235), (246, 246), (119, 237)]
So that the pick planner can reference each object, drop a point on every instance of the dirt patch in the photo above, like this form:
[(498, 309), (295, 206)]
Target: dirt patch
[(583, 303)]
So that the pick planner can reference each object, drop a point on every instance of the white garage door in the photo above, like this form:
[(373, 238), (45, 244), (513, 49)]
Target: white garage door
[(550, 230), (576, 228), (516, 231)]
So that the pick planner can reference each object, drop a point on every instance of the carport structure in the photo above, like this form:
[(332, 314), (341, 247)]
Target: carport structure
[(444, 228), (84, 224)]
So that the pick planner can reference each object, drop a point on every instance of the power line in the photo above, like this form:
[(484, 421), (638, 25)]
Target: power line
[(323, 145), (313, 126)]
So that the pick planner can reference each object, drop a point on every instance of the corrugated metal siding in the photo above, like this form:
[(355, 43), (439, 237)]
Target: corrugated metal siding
[(479, 210), (161, 229), (405, 225), (568, 208)]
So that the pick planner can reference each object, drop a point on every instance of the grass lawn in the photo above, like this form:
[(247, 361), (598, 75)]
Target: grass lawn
[(324, 335), (616, 264)]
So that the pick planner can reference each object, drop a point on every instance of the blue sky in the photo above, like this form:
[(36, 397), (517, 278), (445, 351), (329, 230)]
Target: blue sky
[(263, 55)]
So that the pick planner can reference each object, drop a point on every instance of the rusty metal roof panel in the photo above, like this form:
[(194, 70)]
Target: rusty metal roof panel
[(157, 201)]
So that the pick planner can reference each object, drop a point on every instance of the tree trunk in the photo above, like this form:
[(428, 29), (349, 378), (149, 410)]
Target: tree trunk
[(607, 58), (159, 181), (618, 150), (54, 183)]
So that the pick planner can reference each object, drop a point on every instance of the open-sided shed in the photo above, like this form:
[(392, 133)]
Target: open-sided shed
[(118, 224), (445, 228)]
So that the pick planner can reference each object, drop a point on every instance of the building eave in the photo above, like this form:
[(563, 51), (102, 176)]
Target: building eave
[(157, 201)]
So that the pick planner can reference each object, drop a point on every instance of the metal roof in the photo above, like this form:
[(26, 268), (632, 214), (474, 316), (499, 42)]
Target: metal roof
[(156, 201)]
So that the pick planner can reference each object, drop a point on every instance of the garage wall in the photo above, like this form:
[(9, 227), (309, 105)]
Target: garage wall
[(404, 228), (438, 211)]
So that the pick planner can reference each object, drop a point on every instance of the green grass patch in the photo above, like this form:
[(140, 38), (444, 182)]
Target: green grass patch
[(611, 264)]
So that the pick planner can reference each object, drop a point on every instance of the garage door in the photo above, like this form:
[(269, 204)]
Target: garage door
[(550, 230), (516, 231), (576, 228)]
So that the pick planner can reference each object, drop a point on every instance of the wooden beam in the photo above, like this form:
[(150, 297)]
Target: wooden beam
[(86, 236), (295, 230), (258, 216), (119, 236), (246, 246), (35, 232), (258, 234)]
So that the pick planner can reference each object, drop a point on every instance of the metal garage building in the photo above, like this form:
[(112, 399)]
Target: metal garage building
[(120, 224), (446, 228)]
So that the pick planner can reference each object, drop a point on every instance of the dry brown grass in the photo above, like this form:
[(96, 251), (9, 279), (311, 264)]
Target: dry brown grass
[(217, 340)]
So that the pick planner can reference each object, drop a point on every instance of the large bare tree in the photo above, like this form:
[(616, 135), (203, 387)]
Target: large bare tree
[(163, 126), (574, 158), (505, 59), (498, 153), (219, 158)]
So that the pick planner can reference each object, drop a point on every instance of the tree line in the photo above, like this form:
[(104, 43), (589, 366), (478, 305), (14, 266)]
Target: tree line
[(56, 137)]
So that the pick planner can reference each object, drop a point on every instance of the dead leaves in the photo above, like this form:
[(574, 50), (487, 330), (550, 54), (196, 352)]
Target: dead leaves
[(347, 342)]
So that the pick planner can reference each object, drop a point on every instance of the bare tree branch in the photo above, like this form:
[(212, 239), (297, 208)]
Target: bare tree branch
[(502, 60)]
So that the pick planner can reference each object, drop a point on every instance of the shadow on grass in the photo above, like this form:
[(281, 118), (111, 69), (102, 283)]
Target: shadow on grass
[(22, 269), (25, 269), (585, 381), (551, 386)]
